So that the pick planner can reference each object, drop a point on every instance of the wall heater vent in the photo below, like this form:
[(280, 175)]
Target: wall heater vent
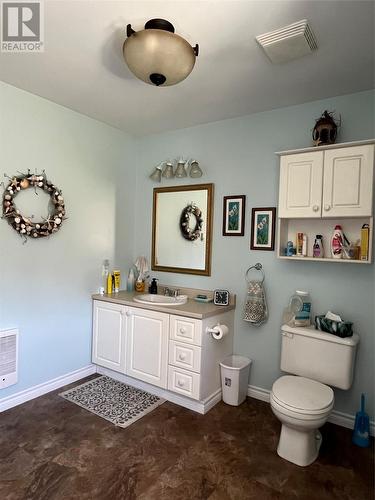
[(288, 43), (8, 357)]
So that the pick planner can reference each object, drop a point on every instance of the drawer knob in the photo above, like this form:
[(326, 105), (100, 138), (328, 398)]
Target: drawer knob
[(182, 330), (315, 208), (327, 207), (180, 383), (182, 356), (128, 314)]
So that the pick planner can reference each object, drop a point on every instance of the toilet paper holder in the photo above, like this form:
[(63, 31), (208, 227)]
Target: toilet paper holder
[(218, 331)]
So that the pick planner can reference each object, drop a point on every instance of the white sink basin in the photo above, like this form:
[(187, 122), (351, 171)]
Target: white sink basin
[(160, 300)]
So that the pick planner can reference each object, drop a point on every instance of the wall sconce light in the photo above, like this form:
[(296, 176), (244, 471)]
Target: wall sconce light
[(167, 172), (156, 55)]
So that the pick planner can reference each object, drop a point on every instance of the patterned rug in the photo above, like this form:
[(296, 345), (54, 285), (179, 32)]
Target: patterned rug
[(119, 403)]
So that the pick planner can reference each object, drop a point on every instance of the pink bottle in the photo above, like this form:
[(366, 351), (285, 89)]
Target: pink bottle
[(337, 242)]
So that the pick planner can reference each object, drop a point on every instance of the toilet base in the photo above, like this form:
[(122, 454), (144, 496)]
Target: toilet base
[(301, 447)]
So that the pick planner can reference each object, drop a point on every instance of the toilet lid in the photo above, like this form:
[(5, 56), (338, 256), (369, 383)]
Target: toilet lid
[(302, 393)]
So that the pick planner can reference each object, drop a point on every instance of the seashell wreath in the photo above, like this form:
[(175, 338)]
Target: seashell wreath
[(187, 233), (23, 224)]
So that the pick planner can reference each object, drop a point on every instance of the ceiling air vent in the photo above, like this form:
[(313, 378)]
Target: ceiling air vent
[(288, 43), (8, 357)]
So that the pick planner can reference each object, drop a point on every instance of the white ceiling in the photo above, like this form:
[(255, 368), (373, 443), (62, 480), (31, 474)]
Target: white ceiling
[(82, 66)]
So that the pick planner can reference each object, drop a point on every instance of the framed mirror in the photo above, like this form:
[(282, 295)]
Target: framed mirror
[(182, 229)]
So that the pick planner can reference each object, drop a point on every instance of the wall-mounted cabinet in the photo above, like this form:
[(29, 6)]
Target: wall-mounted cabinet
[(322, 187)]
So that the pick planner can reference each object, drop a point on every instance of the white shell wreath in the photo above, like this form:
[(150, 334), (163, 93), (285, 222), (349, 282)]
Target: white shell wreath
[(24, 224), (187, 233)]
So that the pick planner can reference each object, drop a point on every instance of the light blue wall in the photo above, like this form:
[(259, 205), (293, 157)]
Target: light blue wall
[(46, 284), (238, 157)]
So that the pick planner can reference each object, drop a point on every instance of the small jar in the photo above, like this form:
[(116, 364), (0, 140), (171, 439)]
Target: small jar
[(139, 286)]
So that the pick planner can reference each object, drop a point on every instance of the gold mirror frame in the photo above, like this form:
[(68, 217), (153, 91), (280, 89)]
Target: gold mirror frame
[(209, 218)]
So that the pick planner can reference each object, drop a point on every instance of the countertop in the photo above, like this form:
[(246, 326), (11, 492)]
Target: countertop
[(192, 308)]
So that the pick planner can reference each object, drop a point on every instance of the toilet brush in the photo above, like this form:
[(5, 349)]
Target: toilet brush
[(361, 431)]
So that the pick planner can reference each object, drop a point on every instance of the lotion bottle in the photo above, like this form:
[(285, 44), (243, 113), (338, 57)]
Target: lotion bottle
[(131, 279)]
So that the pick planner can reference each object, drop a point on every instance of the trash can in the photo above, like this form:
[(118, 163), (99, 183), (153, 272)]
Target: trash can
[(234, 379)]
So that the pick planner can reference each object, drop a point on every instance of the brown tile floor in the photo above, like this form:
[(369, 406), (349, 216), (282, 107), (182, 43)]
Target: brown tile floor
[(51, 449)]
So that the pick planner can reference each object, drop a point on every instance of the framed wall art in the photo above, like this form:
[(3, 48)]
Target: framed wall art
[(234, 215), (263, 222)]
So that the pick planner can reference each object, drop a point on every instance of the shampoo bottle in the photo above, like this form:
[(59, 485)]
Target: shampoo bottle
[(337, 242)]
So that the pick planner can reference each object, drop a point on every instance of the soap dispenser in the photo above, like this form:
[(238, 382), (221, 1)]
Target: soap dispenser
[(154, 286)]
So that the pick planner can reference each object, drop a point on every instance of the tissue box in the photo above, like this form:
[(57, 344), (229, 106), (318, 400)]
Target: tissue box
[(340, 328)]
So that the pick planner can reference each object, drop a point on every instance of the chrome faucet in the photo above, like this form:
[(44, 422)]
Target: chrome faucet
[(171, 292)]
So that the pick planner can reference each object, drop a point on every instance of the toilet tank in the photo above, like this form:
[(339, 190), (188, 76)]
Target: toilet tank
[(317, 355)]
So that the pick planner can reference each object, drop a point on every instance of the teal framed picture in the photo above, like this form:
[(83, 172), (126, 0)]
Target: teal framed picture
[(263, 228), (234, 215)]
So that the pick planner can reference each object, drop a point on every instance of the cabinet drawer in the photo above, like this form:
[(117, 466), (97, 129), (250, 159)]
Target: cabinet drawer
[(183, 382), (185, 330), (185, 356)]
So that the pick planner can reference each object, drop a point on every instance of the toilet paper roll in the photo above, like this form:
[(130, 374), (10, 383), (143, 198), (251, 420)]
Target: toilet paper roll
[(219, 331)]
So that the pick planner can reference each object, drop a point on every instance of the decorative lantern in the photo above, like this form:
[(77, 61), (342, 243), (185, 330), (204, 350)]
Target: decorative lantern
[(325, 130)]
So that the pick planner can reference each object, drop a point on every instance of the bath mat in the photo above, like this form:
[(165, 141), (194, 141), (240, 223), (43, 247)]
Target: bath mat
[(119, 403)]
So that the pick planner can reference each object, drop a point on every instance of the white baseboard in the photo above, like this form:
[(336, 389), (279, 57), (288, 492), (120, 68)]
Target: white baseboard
[(336, 417), (51, 385), (198, 406)]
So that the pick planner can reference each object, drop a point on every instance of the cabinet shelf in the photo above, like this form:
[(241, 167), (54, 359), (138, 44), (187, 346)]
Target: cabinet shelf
[(325, 259), (288, 229)]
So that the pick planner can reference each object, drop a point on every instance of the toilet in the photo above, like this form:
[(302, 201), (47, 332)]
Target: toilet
[(304, 400)]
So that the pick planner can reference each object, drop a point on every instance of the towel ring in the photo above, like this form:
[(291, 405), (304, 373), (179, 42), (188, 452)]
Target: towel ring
[(258, 267)]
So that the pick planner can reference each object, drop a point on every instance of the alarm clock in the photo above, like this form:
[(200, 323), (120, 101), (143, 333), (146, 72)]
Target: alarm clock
[(221, 297)]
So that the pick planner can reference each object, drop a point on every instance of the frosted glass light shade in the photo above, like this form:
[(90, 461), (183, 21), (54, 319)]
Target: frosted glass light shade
[(158, 56), (195, 169), (180, 170), (168, 171), (156, 174)]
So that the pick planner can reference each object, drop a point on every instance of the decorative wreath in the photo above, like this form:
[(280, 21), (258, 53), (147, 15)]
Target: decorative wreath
[(23, 224), (186, 232)]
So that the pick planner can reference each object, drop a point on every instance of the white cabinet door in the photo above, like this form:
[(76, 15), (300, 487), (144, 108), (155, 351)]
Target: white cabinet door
[(109, 335), (147, 346), (301, 179), (348, 182)]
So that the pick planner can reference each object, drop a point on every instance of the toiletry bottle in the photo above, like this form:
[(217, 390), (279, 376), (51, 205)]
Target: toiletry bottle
[(116, 280), (318, 250), (337, 241), (109, 284), (105, 272), (365, 232), (299, 244), (303, 316), (304, 245), (130, 285), (154, 286)]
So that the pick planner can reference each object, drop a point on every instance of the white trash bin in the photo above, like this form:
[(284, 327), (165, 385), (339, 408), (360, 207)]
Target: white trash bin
[(234, 379)]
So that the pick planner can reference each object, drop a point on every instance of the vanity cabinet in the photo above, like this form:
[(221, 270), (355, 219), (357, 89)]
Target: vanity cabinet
[(147, 345), (321, 187), (172, 352), (335, 182), (109, 336)]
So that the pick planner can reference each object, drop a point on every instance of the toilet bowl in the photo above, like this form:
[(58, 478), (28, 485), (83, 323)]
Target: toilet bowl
[(302, 405)]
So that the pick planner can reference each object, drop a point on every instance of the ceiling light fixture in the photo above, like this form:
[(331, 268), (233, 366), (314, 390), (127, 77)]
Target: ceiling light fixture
[(156, 55)]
